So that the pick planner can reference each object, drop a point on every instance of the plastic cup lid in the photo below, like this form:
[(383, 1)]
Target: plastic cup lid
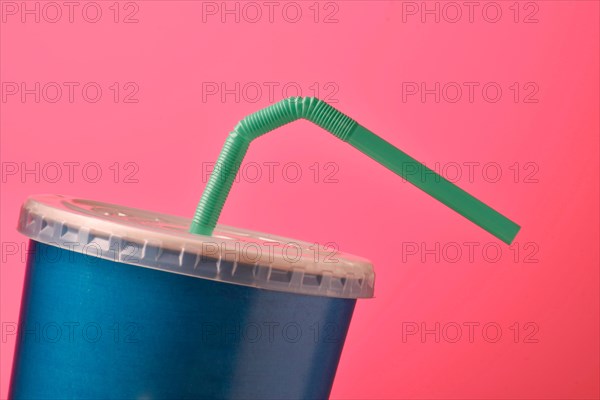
[(160, 241)]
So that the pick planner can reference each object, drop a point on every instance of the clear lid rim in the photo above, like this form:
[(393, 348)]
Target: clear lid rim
[(163, 243)]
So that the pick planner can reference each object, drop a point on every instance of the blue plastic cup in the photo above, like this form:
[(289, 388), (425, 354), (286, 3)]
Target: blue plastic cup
[(120, 303)]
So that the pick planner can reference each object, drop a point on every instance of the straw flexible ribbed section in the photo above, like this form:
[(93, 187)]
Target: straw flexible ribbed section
[(289, 110), (248, 129)]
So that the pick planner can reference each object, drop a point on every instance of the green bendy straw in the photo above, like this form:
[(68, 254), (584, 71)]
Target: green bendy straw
[(348, 130)]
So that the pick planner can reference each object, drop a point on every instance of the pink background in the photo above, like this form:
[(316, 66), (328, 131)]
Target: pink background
[(550, 277)]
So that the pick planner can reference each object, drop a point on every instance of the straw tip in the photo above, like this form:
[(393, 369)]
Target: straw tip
[(509, 235)]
